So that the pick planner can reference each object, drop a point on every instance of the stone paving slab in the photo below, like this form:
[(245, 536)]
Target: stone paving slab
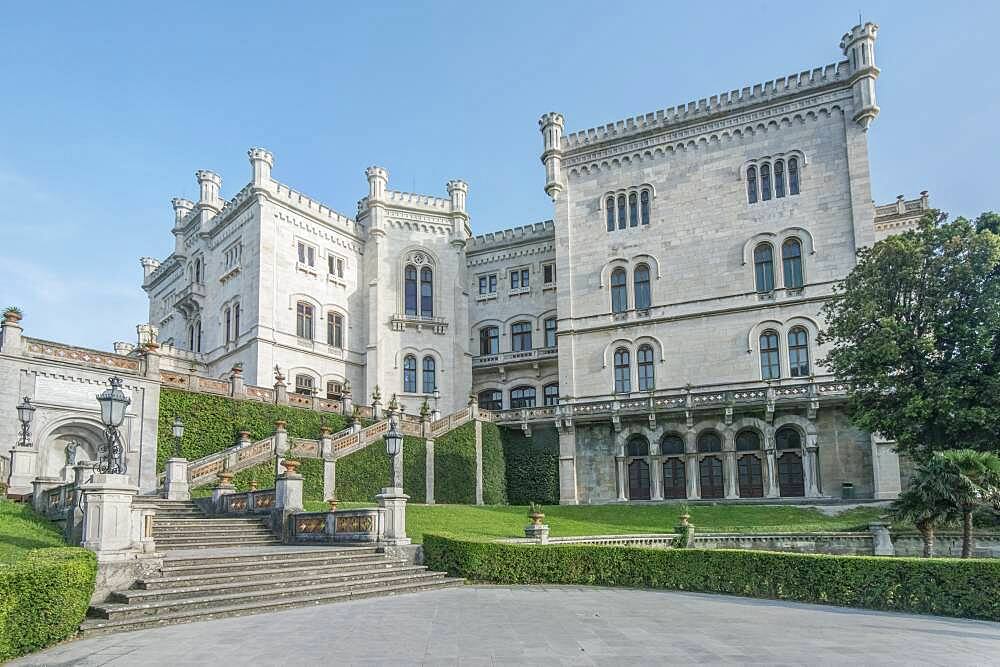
[(551, 625)]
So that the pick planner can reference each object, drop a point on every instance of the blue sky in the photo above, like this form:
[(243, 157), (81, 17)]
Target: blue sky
[(108, 110)]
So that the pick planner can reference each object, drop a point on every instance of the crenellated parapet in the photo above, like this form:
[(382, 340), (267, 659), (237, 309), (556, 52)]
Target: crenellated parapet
[(536, 232)]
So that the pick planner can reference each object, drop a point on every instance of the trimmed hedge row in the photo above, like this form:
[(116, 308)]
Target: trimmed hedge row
[(212, 423), (44, 598), (532, 466), (494, 467), (455, 466), (943, 586)]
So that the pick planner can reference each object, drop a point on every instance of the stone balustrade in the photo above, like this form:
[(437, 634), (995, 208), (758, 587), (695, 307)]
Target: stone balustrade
[(350, 525)]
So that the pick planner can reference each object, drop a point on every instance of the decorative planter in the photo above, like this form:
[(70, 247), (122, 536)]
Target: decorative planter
[(244, 435), (253, 485), (536, 518), (332, 502), (11, 316), (325, 431), (685, 519), (281, 423), (226, 478), (291, 466)]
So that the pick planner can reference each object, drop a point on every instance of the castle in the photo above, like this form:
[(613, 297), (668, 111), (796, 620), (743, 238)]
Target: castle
[(662, 325)]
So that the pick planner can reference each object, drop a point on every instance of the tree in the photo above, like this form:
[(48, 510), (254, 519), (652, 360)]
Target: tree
[(972, 480), (926, 503), (915, 328)]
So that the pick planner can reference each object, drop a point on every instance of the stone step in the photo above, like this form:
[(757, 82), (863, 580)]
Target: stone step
[(269, 574), (193, 522), (146, 610), (368, 575), (272, 556), (241, 529), (218, 566), (96, 626), (210, 543)]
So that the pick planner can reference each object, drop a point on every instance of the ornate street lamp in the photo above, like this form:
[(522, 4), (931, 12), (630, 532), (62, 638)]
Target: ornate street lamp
[(113, 401), (394, 447), (25, 413), (178, 430)]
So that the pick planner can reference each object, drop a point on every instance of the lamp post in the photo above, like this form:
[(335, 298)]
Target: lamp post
[(394, 447), (113, 402), (178, 430), (25, 413)]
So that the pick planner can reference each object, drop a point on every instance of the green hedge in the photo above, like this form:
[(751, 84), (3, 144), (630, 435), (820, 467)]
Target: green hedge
[(44, 598), (943, 586), (212, 423), (455, 466), (532, 465), (494, 467)]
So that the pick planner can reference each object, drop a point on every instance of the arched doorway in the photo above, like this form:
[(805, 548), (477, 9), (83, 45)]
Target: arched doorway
[(710, 465), (637, 453), (788, 442), (749, 471), (674, 477), (67, 444)]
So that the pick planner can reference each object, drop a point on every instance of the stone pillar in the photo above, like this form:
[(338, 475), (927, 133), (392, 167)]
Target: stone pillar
[(429, 470), (393, 501), (288, 492), (22, 470), (885, 468), (882, 539), (329, 463), (39, 486), (620, 477), (729, 474), (237, 388), (107, 518), (567, 465), (176, 484), (810, 469), (281, 392), (376, 409), (771, 489), (11, 331), (655, 472), (479, 462), (691, 472), (222, 489), (142, 529), (280, 446), (73, 532)]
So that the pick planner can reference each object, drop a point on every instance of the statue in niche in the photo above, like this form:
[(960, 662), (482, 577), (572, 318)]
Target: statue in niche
[(71, 452)]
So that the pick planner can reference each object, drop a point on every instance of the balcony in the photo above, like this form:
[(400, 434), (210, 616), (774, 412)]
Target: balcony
[(510, 358), (190, 300), (437, 324)]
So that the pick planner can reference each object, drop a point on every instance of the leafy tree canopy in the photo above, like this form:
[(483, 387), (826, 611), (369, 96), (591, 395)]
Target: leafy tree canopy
[(916, 329)]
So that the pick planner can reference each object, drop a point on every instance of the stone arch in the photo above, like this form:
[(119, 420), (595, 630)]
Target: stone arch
[(86, 432)]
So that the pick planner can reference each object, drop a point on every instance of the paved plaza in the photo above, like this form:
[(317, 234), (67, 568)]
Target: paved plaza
[(548, 625)]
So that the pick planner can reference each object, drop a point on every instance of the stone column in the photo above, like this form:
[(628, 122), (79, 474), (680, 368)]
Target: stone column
[(287, 501), (73, 532), (22, 470), (39, 486), (885, 468), (691, 472), (393, 501), (176, 484), (107, 518), (10, 334), (567, 465), (479, 462), (429, 470), (280, 446), (771, 489), (237, 387), (655, 472), (329, 463), (810, 469)]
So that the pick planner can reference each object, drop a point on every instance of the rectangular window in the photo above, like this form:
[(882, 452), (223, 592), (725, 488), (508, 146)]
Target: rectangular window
[(488, 284), (489, 340), (515, 279), (335, 266), (304, 320), (548, 273), (335, 329), (229, 327), (307, 254), (550, 332), (520, 337)]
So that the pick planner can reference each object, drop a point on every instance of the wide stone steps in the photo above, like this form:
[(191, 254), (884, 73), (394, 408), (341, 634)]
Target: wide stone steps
[(198, 588), (182, 525), (208, 542)]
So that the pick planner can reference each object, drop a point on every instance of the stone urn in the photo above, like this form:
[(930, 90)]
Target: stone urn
[(253, 485), (226, 478), (685, 520), (536, 518), (12, 315), (291, 466), (332, 502)]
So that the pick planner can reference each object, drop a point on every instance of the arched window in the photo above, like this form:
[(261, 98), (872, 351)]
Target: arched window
[(798, 353), (637, 449), (623, 381), (633, 210), (426, 292), (334, 389), (228, 317), (763, 267), (197, 335), (779, 179), (489, 340), (750, 476), (491, 399), (642, 296), (787, 438), (709, 441), (609, 205), (522, 397), (674, 477), (747, 441), (791, 263), (619, 291), (410, 289), (637, 445), (644, 207), (752, 185), (197, 271), (793, 176), (765, 182), (712, 481), (621, 211), (236, 322), (410, 374), (549, 325), (520, 336), (770, 364), (429, 375), (335, 329), (304, 385), (672, 445), (191, 337), (550, 394), (644, 362), (304, 320)]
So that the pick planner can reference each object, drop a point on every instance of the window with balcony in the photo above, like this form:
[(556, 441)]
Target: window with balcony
[(520, 336), (522, 397), (550, 394), (490, 399), (798, 353), (410, 289), (426, 292), (304, 320), (770, 363), (304, 384), (489, 340), (550, 332)]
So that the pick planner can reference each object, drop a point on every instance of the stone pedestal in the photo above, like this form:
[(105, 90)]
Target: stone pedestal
[(288, 492), (429, 471), (22, 470), (479, 462), (219, 494), (393, 501), (107, 516), (885, 468), (539, 533), (176, 485), (39, 486), (882, 539)]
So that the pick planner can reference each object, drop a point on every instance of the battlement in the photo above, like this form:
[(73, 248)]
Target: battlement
[(410, 200), (903, 207), (539, 231), (769, 91), (305, 203)]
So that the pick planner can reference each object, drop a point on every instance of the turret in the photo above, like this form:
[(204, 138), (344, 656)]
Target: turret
[(148, 266), (551, 126), (181, 208), (457, 191), (209, 183), (378, 178), (261, 161), (859, 49)]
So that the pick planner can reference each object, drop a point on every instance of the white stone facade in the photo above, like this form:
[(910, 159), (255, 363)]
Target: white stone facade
[(688, 198)]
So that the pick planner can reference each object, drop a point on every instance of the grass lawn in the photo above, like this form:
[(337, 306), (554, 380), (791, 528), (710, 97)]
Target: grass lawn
[(22, 530), (500, 521)]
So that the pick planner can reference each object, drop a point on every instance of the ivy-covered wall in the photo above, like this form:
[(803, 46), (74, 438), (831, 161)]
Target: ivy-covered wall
[(212, 423), (494, 467), (532, 465)]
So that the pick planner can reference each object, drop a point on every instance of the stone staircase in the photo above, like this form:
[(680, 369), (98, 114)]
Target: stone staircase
[(180, 524), (230, 583)]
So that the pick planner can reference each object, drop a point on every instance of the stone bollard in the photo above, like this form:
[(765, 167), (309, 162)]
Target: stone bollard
[(287, 500), (176, 484), (222, 489), (882, 539), (393, 501)]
